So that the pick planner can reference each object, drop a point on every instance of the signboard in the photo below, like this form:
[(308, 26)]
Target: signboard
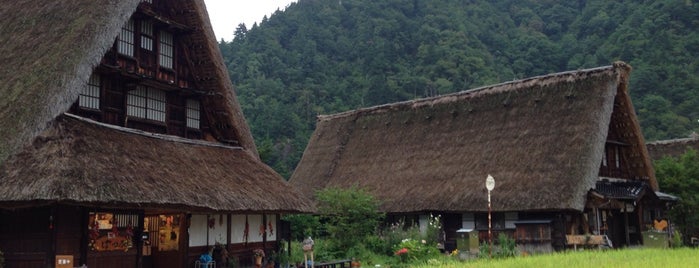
[(112, 242), (64, 261), (490, 183)]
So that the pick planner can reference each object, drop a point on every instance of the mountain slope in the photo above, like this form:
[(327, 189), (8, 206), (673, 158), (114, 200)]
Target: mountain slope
[(322, 57)]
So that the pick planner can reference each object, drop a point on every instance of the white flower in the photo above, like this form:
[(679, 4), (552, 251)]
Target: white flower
[(424, 242)]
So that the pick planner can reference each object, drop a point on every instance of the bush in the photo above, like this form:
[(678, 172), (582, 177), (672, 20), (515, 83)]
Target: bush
[(506, 248), (411, 250), (304, 225), (2, 259), (349, 217)]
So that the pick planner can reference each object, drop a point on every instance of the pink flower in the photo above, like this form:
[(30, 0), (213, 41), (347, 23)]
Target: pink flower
[(402, 251)]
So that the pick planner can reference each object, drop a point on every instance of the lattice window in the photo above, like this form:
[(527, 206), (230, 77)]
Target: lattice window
[(90, 97), (147, 35), (193, 113), (125, 41), (148, 103), (167, 46)]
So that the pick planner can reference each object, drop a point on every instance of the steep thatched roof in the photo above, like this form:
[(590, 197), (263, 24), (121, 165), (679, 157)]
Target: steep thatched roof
[(542, 139), (78, 161), (48, 50), (671, 148)]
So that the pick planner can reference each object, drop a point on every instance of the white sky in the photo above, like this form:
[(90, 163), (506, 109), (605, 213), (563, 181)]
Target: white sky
[(225, 15)]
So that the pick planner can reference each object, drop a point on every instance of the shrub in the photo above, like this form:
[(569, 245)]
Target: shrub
[(349, 216), (506, 248)]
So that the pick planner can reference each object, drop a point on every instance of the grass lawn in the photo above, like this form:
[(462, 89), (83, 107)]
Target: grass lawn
[(635, 258)]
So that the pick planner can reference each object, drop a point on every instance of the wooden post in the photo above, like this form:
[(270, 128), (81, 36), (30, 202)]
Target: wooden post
[(490, 232)]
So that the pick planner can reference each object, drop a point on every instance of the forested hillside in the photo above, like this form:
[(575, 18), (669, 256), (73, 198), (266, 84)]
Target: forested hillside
[(328, 56)]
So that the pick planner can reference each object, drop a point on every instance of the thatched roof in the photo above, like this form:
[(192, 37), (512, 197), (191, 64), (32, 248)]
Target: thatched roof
[(672, 148), (79, 161), (48, 50), (542, 139)]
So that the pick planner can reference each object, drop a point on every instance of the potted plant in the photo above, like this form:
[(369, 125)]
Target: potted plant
[(259, 254)]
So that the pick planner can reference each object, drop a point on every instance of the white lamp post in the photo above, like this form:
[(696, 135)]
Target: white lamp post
[(490, 184)]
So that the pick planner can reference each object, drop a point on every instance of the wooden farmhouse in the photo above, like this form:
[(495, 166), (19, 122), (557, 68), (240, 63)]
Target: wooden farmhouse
[(123, 144), (565, 150)]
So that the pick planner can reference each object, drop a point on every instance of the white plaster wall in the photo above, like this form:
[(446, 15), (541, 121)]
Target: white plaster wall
[(200, 226), (197, 231), (254, 222), (272, 236), (220, 230), (237, 227)]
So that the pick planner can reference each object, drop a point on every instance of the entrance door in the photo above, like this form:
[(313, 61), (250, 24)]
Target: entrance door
[(166, 241)]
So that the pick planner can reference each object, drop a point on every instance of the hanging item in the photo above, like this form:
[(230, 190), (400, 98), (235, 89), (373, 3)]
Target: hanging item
[(129, 231), (115, 229), (262, 229), (271, 229), (212, 223), (95, 230)]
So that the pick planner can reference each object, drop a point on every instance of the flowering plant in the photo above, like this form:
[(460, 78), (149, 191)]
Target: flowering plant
[(258, 252), (401, 251)]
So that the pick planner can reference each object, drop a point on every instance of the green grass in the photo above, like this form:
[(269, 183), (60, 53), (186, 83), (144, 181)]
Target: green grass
[(633, 258)]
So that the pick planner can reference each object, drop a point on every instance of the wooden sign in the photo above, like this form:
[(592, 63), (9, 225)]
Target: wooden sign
[(112, 242)]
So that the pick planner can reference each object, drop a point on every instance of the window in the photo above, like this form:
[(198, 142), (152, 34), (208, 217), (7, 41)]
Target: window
[(147, 35), (125, 41), (193, 113), (148, 103), (90, 97), (166, 49), (617, 156)]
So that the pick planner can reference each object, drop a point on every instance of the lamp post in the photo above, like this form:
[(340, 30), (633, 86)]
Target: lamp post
[(490, 184)]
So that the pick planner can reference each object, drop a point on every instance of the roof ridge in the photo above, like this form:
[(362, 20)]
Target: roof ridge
[(483, 89)]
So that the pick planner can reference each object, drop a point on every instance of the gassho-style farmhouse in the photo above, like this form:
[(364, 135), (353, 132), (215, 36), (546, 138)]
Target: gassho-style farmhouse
[(124, 146), (123, 142), (566, 152)]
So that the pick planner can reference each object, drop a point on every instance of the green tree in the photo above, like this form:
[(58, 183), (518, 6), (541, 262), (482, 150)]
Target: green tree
[(350, 216), (680, 177)]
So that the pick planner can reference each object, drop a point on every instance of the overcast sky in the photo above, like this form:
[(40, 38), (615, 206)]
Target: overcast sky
[(225, 15)]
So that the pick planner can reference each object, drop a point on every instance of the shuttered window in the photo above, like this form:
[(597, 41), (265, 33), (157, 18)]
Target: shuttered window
[(90, 97), (125, 41), (148, 103), (167, 45), (193, 113)]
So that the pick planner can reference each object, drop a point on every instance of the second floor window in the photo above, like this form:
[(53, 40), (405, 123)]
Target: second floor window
[(167, 45), (193, 113), (90, 97), (147, 35), (125, 40), (148, 103)]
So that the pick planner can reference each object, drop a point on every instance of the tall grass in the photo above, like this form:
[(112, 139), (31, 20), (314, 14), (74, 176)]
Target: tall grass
[(631, 258)]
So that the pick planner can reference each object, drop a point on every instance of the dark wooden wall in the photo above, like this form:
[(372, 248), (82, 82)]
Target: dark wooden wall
[(25, 237)]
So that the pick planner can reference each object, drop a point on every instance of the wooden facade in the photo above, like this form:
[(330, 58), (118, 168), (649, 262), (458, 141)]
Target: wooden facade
[(126, 238)]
